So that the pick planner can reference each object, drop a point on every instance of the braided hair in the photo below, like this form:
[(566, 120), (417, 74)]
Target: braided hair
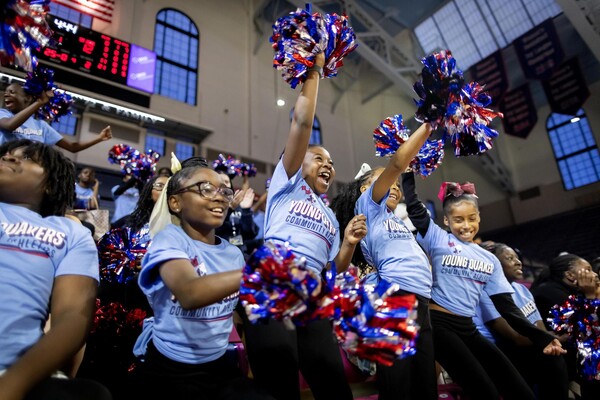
[(59, 173)]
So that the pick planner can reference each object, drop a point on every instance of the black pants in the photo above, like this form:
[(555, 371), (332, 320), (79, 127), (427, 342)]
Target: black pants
[(69, 389), (160, 378), (276, 354), (477, 365), (412, 377), (547, 375)]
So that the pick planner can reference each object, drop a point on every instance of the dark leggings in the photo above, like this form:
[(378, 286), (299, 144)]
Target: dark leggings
[(548, 374), (276, 354), (160, 378), (412, 377), (477, 365), (69, 389)]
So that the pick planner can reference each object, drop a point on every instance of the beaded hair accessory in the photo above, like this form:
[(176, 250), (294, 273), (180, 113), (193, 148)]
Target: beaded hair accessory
[(455, 189)]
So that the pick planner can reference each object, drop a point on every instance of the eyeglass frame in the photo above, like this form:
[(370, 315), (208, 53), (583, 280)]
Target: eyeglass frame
[(220, 190), (155, 186)]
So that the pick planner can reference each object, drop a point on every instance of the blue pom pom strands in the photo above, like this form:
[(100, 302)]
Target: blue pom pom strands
[(300, 35), (391, 134), (578, 317), (23, 28), (41, 80), (460, 109)]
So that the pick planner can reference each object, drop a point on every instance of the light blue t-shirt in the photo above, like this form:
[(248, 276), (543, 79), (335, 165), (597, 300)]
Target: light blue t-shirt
[(523, 300), (124, 203), (35, 251), (481, 326), (188, 336), (83, 197), (32, 129), (391, 247), (461, 271), (297, 215)]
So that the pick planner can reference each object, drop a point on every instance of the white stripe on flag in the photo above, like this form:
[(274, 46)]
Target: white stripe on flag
[(101, 9)]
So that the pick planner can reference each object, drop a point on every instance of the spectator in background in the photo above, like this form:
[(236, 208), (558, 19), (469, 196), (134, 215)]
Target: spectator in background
[(17, 121), (86, 190), (258, 216), (165, 171), (126, 196)]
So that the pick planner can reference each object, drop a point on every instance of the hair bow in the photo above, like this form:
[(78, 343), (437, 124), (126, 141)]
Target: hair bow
[(364, 168), (455, 189), (160, 216)]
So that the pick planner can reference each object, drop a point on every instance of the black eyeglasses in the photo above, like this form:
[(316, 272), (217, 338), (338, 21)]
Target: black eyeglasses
[(208, 190), (158, 186)]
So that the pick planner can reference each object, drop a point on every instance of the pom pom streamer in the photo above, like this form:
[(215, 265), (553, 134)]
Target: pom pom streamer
[(233, 167), (22, 30), (578, 317), (368, 322), (391, 134), (300, 35), (41, 80), (132, 162), (460, 109), (120, 252)]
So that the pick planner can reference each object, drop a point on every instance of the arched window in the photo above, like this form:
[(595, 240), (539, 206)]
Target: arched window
[(315, 136), (176, 43), (575, 149)]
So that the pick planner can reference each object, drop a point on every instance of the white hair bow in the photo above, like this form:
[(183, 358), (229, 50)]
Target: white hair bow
[(364, 168)]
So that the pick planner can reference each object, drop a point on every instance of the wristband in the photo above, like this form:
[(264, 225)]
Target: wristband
[(316, 68)]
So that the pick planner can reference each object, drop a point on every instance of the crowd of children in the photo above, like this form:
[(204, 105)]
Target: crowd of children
[(475, 319)]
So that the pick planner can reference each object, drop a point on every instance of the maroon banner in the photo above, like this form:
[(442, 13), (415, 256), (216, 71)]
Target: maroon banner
[(539, 51), (567, 90), (491, 72), (520, 114)]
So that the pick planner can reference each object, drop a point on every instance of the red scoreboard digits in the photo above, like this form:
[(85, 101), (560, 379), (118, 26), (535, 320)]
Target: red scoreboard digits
[(87, 51)]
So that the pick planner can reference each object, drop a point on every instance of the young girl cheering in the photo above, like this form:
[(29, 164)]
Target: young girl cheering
[(461, 271), (295, 214), (391, 247), (191, 278), (49, 266)]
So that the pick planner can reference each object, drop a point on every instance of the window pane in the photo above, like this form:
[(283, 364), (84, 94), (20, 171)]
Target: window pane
[(184, 151), (176, 45), (155, 143), (575, 150), (67, 125)]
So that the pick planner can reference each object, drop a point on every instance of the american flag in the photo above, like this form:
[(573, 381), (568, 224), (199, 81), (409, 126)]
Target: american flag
[(101, 9)]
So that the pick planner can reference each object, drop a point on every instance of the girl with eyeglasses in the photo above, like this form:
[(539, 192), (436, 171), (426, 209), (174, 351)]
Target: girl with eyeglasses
[(296, 214), (191, 278)]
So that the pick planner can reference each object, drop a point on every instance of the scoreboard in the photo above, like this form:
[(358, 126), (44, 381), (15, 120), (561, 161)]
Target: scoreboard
[(99, 55)]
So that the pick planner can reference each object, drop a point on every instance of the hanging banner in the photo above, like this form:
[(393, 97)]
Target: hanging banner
[(566, 90), (491, 72), (520, 114), (539, 51)]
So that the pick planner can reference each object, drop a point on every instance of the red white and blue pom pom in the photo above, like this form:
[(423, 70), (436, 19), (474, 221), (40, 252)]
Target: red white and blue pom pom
[(300, 35), (277, 285), (391, 134), (228, 165), (368, 321), (446, 101), (140, 165), (42, 80), (120, 252), (23, 29), (578, 317), (248, 169)]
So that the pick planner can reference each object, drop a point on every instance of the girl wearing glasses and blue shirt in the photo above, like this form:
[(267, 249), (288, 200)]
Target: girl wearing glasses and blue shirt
[(296, 214), (191, 278)]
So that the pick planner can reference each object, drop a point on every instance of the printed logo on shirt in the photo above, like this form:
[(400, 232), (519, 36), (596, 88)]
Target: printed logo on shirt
[(456, 248), (468, 268), (529, 309), (305, 215), (28, 131), (396, 229), (32, 239)]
